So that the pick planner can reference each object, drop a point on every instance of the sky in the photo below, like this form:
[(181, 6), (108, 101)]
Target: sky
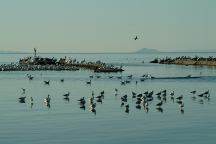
[(89, 26)]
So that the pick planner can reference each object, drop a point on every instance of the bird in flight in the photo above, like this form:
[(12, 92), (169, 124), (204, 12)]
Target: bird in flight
[(136, 38)]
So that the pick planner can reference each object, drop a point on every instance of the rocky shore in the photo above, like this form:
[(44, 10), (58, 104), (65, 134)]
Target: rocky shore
[(40, 63), (210, 61)]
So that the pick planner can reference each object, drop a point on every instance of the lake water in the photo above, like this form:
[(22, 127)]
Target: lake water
[(64, 122)]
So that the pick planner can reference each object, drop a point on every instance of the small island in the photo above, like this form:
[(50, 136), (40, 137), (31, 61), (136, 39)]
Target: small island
[(38, 63), (184, 60)]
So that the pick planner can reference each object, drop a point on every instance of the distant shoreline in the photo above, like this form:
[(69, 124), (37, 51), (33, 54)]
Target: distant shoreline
[(97, 52), (196, 61)]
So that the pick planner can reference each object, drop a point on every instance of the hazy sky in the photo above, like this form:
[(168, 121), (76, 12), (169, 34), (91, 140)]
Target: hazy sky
[(107, 25)]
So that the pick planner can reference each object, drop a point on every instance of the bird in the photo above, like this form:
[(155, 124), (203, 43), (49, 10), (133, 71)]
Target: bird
[(159, 104), (30, 77), (47, 99), (62, 80), (22, 99), (31, 99), (180, 97), (67, 94), (127, 106), (46, 82), (136, 38), (172, 93), (88, 82), (23, 90), (193, 92)]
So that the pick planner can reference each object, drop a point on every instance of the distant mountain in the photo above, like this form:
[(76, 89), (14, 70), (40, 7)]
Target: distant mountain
[(147, 50)]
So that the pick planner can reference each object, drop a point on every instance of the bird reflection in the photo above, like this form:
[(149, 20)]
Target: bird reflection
[(82, 107), (48, 105), (93, 111), (182, 111), (66, 99), (159, 109)]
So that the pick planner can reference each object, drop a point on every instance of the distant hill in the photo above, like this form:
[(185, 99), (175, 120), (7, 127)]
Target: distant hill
[(147, 50)]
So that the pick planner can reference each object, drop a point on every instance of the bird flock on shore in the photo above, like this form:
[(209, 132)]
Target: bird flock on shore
[(140, 100)]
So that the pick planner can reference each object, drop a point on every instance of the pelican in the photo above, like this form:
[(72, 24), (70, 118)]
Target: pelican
[(193, 92), (22, 99), (180, 97), (30, 77), (172, 93)]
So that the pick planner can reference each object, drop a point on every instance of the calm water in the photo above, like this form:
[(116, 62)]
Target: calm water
[(65, 122)]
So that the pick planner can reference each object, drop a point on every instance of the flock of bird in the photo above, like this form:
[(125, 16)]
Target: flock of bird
[(142, 100)]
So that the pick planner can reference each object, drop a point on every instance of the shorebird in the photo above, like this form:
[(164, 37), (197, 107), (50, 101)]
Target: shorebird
[(31, 99), (81, 99), (206, 92), (93, 106), (193, 92), (88, 82), (136, 38), (160, 109), (201, 95), (67, 94), (47, 82), (138, 106), (102, 93), (47, 99)]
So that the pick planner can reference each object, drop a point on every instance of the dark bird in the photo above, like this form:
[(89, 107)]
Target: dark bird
[(193, 92), (180, 97), (136, 38), (46, 82), (159, 104), (22, 99), (160, 109), (67, 94), (62, 80), (30, 77), (88, 82), (172, 93), (47, 99)]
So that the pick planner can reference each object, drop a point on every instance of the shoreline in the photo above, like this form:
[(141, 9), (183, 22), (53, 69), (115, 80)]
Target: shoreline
[(38, 63), (196, 61)]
